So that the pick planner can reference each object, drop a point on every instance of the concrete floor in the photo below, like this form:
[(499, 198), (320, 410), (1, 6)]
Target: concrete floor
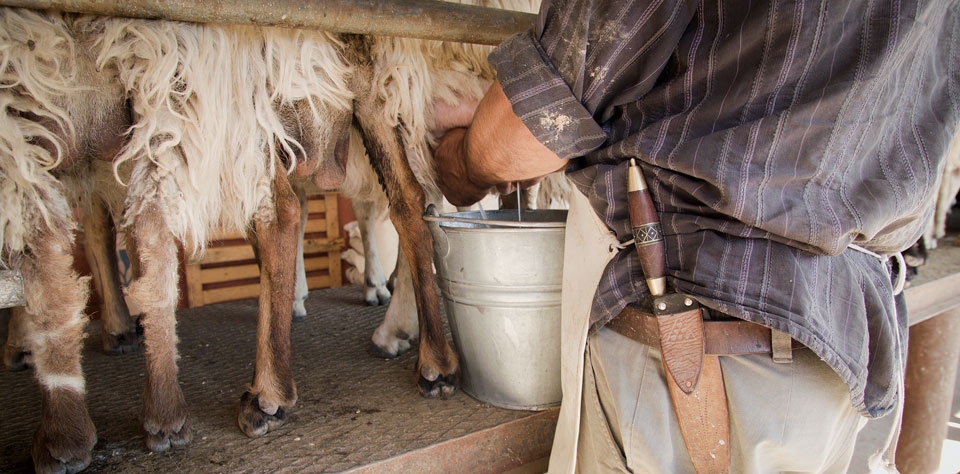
[(353, 408)]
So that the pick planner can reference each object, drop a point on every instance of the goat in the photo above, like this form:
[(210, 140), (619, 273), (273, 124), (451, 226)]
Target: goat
[(412, 75), (49, 82)]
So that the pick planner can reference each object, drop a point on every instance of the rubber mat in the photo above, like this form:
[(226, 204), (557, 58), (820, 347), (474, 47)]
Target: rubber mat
[(353, 408)]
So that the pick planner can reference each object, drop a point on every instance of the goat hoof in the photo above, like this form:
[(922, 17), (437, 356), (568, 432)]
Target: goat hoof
[(376, 294), (63, 449), (299, 309), (380, 352), (16, 358), (124, 343), (437, 379), (392, 348), (253, 421), (372, 297), (161, 440), (441, 387), (44, 462)]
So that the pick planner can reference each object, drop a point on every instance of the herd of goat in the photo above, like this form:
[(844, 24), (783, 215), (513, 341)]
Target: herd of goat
[(172, 130)]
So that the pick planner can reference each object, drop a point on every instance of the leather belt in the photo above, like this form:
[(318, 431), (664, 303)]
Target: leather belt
[(736, 337)]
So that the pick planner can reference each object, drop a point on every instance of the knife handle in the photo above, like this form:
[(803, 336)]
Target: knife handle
[(647, 235)]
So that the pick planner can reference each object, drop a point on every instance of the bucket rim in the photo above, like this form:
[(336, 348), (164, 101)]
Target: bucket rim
[(498, 223)]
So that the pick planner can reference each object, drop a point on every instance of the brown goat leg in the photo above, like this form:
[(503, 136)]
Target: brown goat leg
[(15, 353), (165, 418), (437, 364), (264, 405), (53, 322), (119, 332)]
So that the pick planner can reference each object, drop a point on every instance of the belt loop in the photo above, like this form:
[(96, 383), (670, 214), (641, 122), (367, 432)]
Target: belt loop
[(782, 346)]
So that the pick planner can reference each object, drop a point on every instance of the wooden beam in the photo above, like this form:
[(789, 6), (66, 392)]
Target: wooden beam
[(426, 19)]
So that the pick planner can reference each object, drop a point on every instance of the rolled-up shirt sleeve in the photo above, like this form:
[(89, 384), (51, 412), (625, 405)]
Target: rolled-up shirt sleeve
[(542, 99), (585, 57)]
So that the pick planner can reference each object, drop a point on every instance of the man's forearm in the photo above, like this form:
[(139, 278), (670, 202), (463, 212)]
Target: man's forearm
[(497, 148)]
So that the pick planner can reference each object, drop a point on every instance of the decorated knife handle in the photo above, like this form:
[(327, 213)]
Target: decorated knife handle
[(647, 234)]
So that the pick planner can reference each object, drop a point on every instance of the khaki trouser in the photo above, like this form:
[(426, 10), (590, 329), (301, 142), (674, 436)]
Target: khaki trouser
[(616, 414)]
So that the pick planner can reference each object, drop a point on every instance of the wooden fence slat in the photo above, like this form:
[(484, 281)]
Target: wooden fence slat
[(252, 270), (317, 204), (194, 285), (325, 256), (230, 253), (245, 252), (319, 281), (231, 293), (235, 272), (317, 225), (316, 263), (322, 245), (333, 232)]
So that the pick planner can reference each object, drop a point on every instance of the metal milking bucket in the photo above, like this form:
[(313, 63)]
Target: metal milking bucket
[(500, 279)]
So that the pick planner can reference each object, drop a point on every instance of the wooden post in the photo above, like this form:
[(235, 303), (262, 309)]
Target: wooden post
[(930, 378), (194, 284)]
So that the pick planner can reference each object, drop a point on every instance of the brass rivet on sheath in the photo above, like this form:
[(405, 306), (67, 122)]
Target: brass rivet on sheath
[(688, 302), (662, 306)]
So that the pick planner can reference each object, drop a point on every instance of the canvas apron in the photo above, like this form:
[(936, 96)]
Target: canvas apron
[(588, 246)]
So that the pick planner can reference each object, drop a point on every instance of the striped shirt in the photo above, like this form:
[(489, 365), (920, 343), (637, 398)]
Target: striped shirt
[(772, 135)]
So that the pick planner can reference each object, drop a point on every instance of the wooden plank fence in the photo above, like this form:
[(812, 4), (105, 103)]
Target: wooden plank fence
[(228, 270)]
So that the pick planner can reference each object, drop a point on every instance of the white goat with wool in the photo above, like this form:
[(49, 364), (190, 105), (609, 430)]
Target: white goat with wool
[(60, 115)]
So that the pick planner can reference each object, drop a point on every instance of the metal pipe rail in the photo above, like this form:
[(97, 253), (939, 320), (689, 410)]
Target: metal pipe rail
[(426, 19), (11, 289)]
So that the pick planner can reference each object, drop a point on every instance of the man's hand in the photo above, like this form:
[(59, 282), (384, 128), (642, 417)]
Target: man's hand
[(452, 174), (497, 149)]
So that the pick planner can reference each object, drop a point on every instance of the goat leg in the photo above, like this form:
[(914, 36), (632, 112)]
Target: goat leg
[(375, 290), (165, 417), (119, 332), (56, 297), (273, 391), (15, 353), (437, 363), (399, 328)]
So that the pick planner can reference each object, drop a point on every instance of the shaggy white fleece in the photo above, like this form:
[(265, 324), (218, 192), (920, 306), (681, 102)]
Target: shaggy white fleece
[(208, 134), (37, 67)]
